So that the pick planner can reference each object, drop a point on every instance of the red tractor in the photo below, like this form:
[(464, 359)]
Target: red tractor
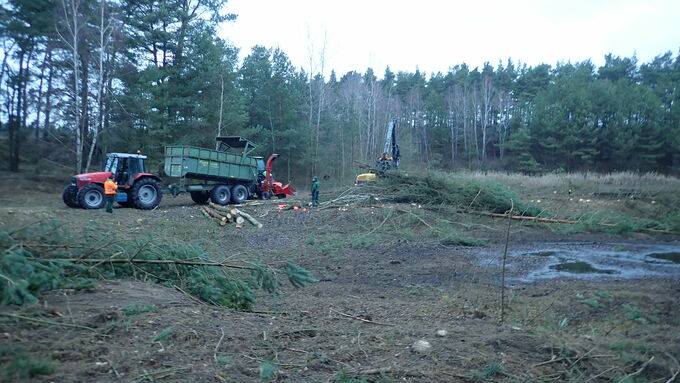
[(136, 187)]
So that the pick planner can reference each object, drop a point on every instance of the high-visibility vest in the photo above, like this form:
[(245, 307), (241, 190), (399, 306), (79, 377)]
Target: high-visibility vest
[(110, 187)]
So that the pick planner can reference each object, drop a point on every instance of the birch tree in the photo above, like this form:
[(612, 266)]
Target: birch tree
[(105, 30), (69, 31)]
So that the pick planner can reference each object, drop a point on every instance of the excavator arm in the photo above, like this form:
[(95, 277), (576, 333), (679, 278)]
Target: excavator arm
[(391, 155)]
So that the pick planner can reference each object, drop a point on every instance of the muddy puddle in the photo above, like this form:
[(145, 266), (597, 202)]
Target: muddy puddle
[(584, 260)]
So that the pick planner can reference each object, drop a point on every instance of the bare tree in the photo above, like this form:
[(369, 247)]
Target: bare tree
[(505, 104), (487, 90), (105, 31), (71, 38), (219, 122)]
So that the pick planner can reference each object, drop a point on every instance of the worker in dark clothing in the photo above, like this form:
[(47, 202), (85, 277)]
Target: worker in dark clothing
[(110, 189), (315, 191)]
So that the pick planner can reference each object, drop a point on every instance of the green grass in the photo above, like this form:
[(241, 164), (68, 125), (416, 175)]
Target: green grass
[(268, 370), (364, 241), (164, 334), (635, 314), (24, 367), (344, 378), (627, 345), (223, 360), (488, 371), (137, 308)]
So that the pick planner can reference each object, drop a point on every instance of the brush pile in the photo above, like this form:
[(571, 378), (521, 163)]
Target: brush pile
[(439, 188)]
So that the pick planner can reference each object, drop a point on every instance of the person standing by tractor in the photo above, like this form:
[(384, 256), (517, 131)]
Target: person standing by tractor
[(315, 191), (110, 189)]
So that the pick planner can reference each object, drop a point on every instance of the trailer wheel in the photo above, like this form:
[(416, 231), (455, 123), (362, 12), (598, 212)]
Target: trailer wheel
[(146, 193), (91, 197), (220, 194), (200, 197), (69, 196), (239, 193)]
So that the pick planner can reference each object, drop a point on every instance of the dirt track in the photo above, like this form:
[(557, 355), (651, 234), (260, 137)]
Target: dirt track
[(378, 294)]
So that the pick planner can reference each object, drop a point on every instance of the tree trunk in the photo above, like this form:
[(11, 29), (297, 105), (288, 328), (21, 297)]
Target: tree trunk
[(104, 33), (46, 59), (85, 104), (219, 122)]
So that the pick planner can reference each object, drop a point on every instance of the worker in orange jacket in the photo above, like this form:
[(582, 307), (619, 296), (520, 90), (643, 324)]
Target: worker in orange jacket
[(110, 189)]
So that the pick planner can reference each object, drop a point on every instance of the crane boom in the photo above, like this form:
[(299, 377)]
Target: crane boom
[(390, 156)]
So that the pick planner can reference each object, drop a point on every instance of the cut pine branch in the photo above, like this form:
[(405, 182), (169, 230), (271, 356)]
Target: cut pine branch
[(538, 219), (145, 261)]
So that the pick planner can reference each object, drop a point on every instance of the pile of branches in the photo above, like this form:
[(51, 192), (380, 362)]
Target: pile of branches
[(43, 256), (225, 215), (438, 188)]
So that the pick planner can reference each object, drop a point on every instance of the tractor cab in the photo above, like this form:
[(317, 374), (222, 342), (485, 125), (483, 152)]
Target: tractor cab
[(124, 167)]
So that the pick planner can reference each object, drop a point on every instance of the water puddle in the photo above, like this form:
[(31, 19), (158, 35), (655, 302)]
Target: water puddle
[(673, 257), (584, 260), (580, 268)]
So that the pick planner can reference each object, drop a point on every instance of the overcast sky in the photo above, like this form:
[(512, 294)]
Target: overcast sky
[(433, 35)]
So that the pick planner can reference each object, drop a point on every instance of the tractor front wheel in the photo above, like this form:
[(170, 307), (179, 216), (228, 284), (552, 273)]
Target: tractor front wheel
[(91, 197), (220, 194), (146, 193), (69, 196), (200, 197)]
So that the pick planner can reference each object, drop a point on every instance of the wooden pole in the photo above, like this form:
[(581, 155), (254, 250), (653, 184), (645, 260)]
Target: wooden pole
[(505, 255)]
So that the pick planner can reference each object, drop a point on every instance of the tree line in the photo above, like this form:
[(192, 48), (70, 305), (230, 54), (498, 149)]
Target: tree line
[(80, 78)]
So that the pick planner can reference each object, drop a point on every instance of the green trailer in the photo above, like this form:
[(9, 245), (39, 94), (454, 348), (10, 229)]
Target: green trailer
[(228, 174)]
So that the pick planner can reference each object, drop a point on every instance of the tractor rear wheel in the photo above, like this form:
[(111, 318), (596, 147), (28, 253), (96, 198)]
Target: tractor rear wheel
[(220, 194), (91, 197), (146, 193), (200, 197), (239, 193), (69, 196)]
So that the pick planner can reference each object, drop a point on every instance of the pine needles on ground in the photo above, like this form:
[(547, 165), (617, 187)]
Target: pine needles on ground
[(44, 256)]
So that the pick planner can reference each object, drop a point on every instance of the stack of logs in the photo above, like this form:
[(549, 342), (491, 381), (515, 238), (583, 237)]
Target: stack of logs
[(225, 215)]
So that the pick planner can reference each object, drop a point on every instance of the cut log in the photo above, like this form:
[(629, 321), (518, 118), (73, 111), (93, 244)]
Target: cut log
[(212, 213), (249, 217), (240, 220)]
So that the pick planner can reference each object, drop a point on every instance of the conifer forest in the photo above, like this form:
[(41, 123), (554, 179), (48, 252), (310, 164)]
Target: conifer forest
[(83, 77)]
